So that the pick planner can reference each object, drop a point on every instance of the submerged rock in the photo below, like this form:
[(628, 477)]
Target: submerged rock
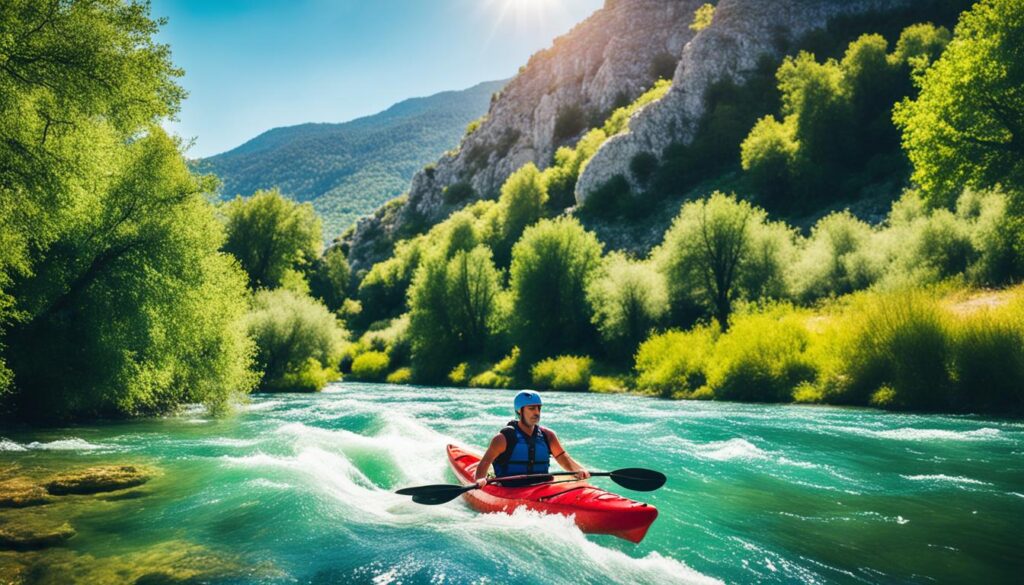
[(26, 535), (20, 492), (103, 478)]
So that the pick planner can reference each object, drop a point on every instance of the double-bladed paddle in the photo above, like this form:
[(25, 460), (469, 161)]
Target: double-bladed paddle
[(633, 478)]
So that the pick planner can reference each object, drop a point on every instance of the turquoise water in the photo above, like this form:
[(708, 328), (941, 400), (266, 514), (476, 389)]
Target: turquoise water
[(297, 489)]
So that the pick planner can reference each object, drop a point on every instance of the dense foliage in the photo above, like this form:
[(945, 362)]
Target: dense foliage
[(299, 342), (271, 235), (967, 126), (114, 298)]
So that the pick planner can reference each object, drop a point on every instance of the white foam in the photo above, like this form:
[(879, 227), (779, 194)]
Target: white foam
[(563, 544), (732, 449), (945, 478), (72, 444), (229, 442), (912, 434), (8, 445)]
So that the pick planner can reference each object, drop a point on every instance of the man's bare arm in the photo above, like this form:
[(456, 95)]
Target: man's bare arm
[(563, 458), (497, 447)]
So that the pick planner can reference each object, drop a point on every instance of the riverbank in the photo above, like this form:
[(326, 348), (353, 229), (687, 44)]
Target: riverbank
[(943, 349)]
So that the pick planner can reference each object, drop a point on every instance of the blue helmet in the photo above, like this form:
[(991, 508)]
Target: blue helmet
[(526, 398)]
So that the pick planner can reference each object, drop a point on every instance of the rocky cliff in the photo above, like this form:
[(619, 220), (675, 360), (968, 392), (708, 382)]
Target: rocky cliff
[(742, 32), (604, 62)]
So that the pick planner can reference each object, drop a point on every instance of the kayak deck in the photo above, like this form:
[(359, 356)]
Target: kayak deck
[(596, 510)]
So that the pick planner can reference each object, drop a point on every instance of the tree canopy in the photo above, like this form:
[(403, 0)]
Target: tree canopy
[(270, 235), (966, 128)]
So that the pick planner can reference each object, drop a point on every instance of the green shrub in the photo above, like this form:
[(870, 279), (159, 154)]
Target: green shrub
[(310, 377), (837, 259), (400, 376), (762, 358), (628, 298), (899, 340), (642, 167), (675, 363), (502, 375), (569, 122), (459, 374), (702, 17), (562, 373), (289, 331), (987, 360), (371, 366)]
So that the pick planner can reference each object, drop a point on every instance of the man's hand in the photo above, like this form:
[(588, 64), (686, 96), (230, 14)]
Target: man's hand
[(482, 482), (582, 474)]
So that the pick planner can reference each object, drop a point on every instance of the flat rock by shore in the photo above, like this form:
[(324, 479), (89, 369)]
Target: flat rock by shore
[(20, 492), (102, 478)]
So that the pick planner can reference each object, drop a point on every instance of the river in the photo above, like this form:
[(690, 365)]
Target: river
[(298, 489)]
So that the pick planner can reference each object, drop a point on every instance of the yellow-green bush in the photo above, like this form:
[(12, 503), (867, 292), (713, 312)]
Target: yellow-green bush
[(400, 376), (987, 359), (897, 340), (371, 366), (763, 357), (311, 377), (502, 375), (565, 372), (675, 362), (459, 374)]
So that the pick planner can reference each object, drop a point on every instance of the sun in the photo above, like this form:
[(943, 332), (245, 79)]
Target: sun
[(525, 14)]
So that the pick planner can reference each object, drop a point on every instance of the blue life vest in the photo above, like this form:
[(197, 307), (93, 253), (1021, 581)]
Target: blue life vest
[(523, 454)]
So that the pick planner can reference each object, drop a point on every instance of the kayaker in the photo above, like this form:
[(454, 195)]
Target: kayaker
[(525, 447)]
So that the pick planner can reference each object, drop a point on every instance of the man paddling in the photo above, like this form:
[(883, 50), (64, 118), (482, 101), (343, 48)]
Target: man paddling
[(525, 447)]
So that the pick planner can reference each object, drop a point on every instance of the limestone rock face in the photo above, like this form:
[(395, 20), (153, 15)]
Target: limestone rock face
[(102, 478), (741, 32), (604, 62)]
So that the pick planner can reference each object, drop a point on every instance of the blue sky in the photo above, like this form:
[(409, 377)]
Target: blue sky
[(252, 65)]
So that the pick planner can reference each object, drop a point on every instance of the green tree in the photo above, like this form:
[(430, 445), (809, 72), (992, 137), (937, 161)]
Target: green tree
[(454, 311), (299, 342), (714, 247), (76, 79), (836, 259), (330, 277), (270, 234), (131, 309), (966, 128), (521, 203), (552, 266), (628, 298)]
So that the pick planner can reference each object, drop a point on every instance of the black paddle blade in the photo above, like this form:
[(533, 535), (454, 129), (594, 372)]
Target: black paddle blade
[(638, 479), (412, 491), (435, 494)]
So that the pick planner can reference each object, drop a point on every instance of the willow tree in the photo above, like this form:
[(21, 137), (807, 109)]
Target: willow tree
[(114, 299)]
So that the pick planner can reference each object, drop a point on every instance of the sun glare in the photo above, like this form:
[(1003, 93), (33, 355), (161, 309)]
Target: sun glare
[(523, 15)]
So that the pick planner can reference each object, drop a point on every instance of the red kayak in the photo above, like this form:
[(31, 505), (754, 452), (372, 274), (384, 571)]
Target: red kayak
[(596, 510)]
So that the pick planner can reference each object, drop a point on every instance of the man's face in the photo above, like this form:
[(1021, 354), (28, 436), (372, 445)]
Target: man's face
[(531, 414)]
